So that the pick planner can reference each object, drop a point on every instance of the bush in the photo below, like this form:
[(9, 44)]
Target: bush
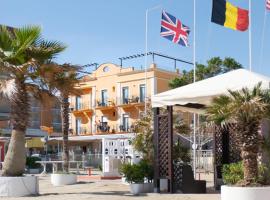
[(147, 169), (233, 173), (133, 173), (31, 162)]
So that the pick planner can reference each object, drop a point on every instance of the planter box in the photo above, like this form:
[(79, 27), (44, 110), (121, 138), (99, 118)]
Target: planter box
[(136, 188), (245, 193), (63, 179), (148, 187), (19, 186)]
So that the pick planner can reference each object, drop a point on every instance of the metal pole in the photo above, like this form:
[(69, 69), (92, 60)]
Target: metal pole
[(250, 37), (194, 80), (146, 53)]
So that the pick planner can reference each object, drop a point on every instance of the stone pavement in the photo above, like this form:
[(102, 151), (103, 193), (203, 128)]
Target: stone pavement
[(103, 190)]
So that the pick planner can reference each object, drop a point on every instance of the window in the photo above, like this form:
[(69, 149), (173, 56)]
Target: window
[(106, 69), (78, 126), (142, 92), (104, 97), (125, 95), (125, 126), (78, 103)]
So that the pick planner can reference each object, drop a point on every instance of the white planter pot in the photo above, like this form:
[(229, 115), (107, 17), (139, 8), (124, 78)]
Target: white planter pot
[(148, 187), (245, 193), (136, 188), (19, 186), (63, 179)]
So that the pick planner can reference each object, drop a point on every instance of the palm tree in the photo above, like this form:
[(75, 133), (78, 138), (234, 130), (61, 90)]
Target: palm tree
[(62, 79), (246, 108), (22, 52)]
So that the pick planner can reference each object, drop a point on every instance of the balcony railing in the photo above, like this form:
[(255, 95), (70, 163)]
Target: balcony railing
[(108, 103), (104, 127), (82, 106), (81, 131)]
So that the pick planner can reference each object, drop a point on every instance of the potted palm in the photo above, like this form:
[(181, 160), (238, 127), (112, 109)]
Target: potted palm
[(62, 80), (246, 108), (22, 53)]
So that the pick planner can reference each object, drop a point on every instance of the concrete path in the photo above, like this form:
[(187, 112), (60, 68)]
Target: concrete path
[(103, 190)]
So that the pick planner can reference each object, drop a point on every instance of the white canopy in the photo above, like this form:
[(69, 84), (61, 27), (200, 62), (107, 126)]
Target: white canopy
[(193, 96)]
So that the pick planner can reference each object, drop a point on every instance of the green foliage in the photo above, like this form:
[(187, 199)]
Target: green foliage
[(214, 67), (180, 126), (133, 173), (31, 162), (147, 169), (137, 172), (233, 173), (181, 153), (143, 142)]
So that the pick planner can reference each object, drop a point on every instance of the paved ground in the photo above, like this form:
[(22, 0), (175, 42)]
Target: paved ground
[(103, 190)]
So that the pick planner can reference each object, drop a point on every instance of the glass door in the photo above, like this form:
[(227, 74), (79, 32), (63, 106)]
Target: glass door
[(78, 126), (125, 95), (125, 122), (142, 93), (104, 97), (78, 102)]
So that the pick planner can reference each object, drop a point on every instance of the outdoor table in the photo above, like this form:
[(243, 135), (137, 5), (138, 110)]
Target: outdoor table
[(55, 167)]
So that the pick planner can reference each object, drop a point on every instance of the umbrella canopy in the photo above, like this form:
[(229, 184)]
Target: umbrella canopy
[(196, 96)]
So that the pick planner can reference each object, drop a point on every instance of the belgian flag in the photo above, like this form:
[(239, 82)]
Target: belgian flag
[(226, 14)]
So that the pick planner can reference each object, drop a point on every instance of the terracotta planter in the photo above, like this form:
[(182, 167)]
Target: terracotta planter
[(245, 193)]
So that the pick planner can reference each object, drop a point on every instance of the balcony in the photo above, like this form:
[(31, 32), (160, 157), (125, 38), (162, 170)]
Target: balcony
[(82, 109), (105, 128), (134, 102), (106, 105), (81, 131)]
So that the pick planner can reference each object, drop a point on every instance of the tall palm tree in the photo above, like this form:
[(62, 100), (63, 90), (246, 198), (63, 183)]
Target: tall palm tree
[(63, 79), (22, 52), (246, 108)]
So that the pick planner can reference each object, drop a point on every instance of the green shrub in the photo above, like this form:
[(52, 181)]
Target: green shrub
[(233, 173), (31, 162), (133, 173), (147, 169)]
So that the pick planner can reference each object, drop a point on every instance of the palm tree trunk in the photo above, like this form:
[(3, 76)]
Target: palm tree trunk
[(249, 151), (14, 163), (65, 127)]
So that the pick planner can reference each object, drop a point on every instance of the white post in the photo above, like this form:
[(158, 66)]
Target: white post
[(250, 37), (146, 51), (194, 80)]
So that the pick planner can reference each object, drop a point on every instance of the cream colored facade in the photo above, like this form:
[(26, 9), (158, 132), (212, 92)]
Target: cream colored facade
[(113, 98)]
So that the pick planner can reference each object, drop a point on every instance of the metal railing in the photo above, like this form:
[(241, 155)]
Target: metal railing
[(104, 127), (82, 106), (204, 160)]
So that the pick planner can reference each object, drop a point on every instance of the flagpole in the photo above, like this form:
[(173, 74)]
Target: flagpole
[(250, 37), (146, 52), (263, 37), (194, 80)]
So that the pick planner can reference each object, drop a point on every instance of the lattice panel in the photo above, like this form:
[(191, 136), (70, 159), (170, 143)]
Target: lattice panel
[(178, 177), (218, 145), (226, 145), (163, 146), (234, 150)]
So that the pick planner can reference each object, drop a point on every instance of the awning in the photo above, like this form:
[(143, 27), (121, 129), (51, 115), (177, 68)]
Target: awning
[(196, 96), (34, 143), (94, 137)]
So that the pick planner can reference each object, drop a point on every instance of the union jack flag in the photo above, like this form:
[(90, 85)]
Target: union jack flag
[(174, 30)]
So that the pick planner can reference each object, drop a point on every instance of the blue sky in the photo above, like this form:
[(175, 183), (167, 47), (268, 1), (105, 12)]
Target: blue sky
[(104, 30)]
